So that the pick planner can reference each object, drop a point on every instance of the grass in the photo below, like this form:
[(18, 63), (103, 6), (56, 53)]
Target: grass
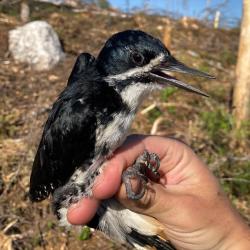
[(85, 233), (50, 224), (171, 110), (233, 171), (154, 114), (10, 9), (8, 125), (235, 178), (36, 8), (167, 93), (243, 132), (228, 57), (218, 125), (204, 67)]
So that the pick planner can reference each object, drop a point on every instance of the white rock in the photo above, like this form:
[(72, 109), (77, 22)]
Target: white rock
[(37, 44)]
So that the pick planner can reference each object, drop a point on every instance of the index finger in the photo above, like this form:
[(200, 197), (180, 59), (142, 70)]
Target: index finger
[(108, 183)]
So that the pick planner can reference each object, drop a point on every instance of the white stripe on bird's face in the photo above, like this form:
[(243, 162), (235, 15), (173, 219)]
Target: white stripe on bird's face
[(134, 93), (137, 71)]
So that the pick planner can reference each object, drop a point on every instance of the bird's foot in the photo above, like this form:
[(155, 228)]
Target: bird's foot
[(138, 171)]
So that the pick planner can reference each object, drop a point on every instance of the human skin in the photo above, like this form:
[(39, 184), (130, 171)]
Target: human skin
[(187, 200)]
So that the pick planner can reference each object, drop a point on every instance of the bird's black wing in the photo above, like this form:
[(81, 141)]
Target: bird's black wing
[(69, 133), (68, 140), (84, 63)]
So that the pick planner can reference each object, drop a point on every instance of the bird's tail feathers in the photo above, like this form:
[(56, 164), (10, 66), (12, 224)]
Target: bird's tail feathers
[(138, 230)]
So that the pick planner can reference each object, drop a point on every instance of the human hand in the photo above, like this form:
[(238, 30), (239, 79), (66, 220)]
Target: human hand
[(187, 200)]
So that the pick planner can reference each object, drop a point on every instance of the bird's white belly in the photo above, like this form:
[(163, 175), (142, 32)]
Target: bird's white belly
[(116, 132), (109, 137)]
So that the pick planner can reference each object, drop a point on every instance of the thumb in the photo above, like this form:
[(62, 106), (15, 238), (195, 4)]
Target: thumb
[(157, 201)]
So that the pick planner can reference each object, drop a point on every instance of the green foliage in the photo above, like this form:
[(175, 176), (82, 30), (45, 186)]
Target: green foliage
[(37, 240), (218, 124), (244, 131), (228, 57), (10, 8), (172, 110), (154, 114), (220, 94), (204, 67), (237, 181), (85, 233), (234, 173), (38, 9), (8, 125), (46, 7), (50, 224), (103, 4), (167, 92)]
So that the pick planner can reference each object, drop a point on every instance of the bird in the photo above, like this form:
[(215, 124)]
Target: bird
[(91, 118)]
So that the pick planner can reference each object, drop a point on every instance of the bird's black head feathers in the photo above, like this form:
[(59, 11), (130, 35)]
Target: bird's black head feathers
[(127, 50), (134, 57)]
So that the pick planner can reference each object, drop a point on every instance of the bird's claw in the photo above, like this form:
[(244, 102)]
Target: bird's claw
[(147, 161), (154, 164), (134, 172)]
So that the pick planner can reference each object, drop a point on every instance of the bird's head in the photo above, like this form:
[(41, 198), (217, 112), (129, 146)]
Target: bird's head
[(135, 63)]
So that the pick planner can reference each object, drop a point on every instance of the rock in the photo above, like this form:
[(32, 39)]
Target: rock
[(193, 53), (37, 44)]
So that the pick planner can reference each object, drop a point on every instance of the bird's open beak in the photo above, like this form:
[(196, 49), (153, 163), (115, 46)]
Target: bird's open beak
[(159, 75)]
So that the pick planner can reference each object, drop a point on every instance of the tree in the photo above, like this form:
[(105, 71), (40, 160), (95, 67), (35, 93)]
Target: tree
[(24, 11), (241, 96), (24, 8), (103, 4)]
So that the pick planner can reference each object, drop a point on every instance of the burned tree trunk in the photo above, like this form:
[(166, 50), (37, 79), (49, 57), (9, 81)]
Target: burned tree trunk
[(241, 97), (24, 11)]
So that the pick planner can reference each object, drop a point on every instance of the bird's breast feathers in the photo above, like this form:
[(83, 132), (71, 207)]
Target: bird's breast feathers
[(112, 134)]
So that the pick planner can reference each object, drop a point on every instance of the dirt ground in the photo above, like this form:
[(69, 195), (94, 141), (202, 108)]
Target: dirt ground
[(26, 96)]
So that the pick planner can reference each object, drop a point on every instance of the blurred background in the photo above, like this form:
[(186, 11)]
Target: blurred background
[(36, 59)]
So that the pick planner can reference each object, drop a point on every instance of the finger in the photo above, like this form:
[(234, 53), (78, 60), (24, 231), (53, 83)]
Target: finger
[(108, 183), (135, 145), (179, 164), (83, 211), (170, 151)]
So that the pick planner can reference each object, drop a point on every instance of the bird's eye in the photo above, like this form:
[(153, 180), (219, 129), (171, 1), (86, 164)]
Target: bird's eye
[(137, 58)]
